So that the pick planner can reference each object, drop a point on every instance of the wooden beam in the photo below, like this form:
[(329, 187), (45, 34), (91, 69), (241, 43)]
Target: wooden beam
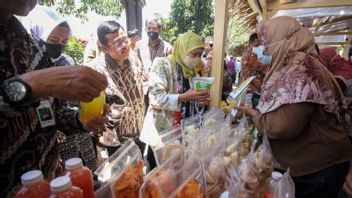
[(272, 13), (288, 6), (220, 30), (332, 33), (336, 20), (264, 6), (332, 43)]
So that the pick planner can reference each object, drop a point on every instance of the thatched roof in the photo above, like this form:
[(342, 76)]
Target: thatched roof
[(242, 11), (246, 18)]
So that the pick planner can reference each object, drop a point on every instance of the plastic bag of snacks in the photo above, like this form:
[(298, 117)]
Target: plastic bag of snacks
[(172, 136), (175, 178), (210, 148), (255, 170), (190, 126), (122, 172)]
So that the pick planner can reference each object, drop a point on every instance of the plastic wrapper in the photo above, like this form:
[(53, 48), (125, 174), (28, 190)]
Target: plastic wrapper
[(238, 95), (202, 83), (127, 159), (254, 171), (169, 138), (210, 148), (285, 188), (173, 181), (190, 126)]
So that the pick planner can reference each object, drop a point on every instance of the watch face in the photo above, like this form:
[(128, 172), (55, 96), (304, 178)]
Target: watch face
[(16, 91)]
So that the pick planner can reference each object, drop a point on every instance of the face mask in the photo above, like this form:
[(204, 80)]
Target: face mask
[(259, 51), (192, 63), (54, 50), (153, 35)]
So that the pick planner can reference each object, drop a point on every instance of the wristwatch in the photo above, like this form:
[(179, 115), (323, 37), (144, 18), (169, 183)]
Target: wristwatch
[(16, 92)]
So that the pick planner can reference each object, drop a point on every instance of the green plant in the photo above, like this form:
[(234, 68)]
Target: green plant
[(75, 50)]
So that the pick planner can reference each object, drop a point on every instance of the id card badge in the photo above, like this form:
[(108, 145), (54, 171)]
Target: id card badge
[(45, 114)]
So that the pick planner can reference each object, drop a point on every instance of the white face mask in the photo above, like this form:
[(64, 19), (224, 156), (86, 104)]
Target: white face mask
[(192, 63)]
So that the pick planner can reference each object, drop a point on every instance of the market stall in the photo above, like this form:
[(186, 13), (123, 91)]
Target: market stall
[(330, 22)]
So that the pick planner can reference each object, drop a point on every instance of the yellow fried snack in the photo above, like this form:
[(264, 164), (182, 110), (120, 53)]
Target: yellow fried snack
[(130, 182), (190, 190)]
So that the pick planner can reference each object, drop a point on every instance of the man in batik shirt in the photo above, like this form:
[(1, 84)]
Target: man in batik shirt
[(124, 93)]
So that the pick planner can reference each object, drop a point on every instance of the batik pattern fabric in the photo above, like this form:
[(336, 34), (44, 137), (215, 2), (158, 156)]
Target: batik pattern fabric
[(252, 67), (125, 97), (166, 83), (296, 75), (24, 144), (75, 142)]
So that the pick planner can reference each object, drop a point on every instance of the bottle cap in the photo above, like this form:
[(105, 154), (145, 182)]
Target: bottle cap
[(60, 184), (73, 163), (31, 177), (276, 175)]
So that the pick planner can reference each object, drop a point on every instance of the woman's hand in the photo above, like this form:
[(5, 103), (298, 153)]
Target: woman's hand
[(203, 97), (247, 111), (66, 82)]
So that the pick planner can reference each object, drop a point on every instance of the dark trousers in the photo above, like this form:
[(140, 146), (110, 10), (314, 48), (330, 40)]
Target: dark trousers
[(323, 184)]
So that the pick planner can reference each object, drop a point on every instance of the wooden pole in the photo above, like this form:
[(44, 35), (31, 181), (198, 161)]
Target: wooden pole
[(220, 29)]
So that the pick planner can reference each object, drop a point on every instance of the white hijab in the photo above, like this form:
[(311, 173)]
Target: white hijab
[(43, 20)]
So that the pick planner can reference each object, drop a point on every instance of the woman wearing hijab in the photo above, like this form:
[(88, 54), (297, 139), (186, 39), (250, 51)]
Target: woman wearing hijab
[(53, 31), (170, 93), (339, 67), (302, 111)]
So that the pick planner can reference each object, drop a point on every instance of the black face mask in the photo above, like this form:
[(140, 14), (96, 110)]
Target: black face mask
[(153, 35), (54, 50)]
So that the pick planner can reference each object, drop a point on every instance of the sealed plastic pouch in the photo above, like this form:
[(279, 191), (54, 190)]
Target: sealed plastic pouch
[(121, 173)]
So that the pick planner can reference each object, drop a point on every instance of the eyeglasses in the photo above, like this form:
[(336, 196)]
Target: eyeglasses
[(120, 43)]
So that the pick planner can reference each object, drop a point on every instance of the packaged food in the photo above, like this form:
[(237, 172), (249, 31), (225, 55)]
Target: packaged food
[(128, 185), (238, 95), (127, 158), (173, 180), (202, 83), (33, 185), (61, 187), (92, 109), (80, 175), (190, 126), (255, 170), (168, 138)]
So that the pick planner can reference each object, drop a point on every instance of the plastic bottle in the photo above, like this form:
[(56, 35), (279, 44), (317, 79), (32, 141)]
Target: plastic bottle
[(61, 187), (80, 176), (33, 185), (271, 184), (91, 109)]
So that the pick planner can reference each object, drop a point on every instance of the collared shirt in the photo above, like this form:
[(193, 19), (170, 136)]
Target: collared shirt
[(124, 95), (147, 53)]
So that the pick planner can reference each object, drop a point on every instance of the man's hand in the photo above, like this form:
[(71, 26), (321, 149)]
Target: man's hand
[(97, 124), (66, 82)]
